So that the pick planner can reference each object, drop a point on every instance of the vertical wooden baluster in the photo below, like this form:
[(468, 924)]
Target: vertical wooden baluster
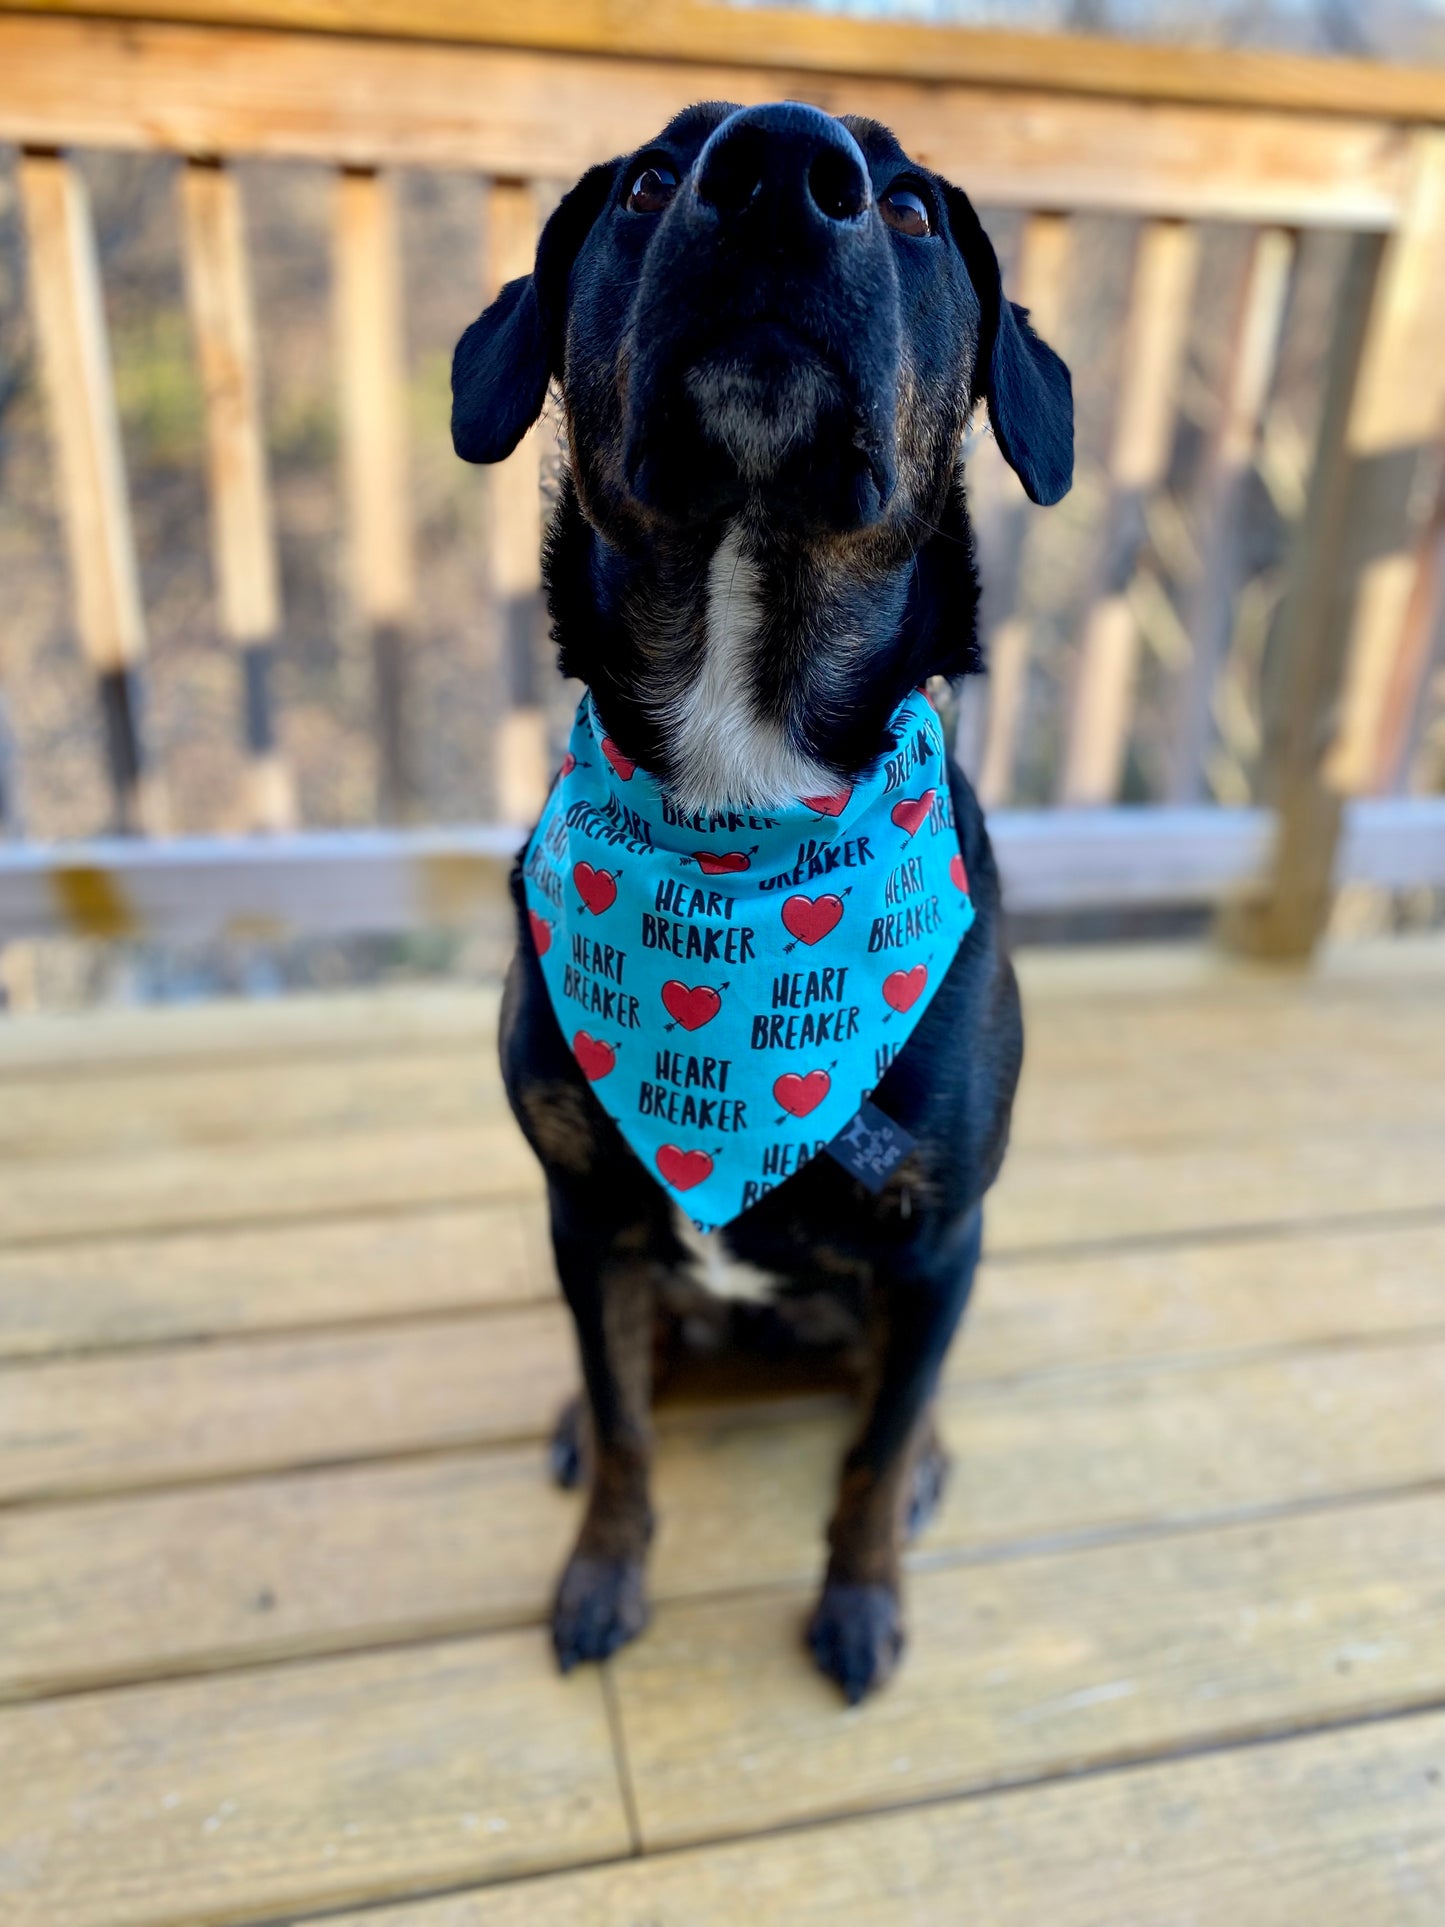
[(1357, 559), (1253, 352), (1043, 265), (242, 536), (85, 430), (12, 822), (1400, 422), (374, 444), (515, 503), (1154, 338), (1401, 717)]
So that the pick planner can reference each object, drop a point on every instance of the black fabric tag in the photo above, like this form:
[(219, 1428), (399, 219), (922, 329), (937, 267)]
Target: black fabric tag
[(871, 1146)]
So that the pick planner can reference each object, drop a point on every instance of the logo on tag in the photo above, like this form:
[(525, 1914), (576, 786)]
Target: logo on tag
[(871, 1146)]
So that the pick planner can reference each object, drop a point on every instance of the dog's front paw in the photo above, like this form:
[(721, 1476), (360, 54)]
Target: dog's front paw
[(600, 1605), (856, 1636)]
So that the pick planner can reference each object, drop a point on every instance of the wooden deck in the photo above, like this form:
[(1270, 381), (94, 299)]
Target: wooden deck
[(280, 1348)]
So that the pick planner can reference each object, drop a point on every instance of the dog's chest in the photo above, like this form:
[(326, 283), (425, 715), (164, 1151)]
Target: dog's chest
[(714, 1267)]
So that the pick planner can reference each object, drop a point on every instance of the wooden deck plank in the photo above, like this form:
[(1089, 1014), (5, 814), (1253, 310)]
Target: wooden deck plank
[(120, 1589), (1065, 1311), (1161, 971), (252, 1183), (191, 1581), (135, 1291), (1335, 1830), (208, 1106), (1055, 1199), (258, 1403), (143, 1418), (1127, 1087), (301, 1786), (1164, 1076), (1180, 1096), (1154, 981), (1040, 1666), (239, 1031), (1045, 1198), (1310, 1287), (1199, 1496)]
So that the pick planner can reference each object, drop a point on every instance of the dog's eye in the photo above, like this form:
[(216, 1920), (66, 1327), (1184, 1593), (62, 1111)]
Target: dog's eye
[(652, 190), (906, 211)]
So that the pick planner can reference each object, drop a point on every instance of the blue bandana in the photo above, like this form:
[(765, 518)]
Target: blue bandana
[(734, 983)]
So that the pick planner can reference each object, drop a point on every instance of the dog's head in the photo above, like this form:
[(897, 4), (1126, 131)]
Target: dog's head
[(768, 306)]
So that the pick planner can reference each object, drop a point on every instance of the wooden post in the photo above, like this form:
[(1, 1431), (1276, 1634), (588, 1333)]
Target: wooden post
[(1286, 918), (515, 503), (1154, 338), (242, 536), (374, 446), (85, 431), (1357, 559), (1043, 266), (1254, 350)]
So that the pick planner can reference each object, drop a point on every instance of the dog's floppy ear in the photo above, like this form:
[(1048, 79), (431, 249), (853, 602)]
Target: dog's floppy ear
[(1030, 397), (504, 361)]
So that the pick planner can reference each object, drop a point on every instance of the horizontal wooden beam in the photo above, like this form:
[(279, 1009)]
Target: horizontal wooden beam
[(260, 890), (899, 49), (537, 114), (200, 889)]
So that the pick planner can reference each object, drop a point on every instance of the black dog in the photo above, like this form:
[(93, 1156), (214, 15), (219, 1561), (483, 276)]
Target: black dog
[(769, 329)]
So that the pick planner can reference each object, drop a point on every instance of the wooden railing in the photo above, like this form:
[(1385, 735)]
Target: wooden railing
[(528, 96)]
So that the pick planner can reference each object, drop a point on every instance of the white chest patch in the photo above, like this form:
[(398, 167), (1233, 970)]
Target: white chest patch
[(714, 1266), (724, 752)]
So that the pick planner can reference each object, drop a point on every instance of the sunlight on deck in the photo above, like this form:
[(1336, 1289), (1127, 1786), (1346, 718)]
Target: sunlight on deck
[(279, 1346)]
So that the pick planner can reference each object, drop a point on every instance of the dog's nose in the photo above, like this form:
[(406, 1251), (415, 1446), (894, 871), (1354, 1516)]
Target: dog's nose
[(786, 159)]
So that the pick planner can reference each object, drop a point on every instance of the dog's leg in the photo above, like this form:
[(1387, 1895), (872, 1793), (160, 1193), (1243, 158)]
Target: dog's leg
[(609, 1279), (856, 1632)]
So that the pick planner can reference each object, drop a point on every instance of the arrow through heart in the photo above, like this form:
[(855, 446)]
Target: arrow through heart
[(691, 1005), (683, 1169), (809, 919), (597, 888), (801, 1094)]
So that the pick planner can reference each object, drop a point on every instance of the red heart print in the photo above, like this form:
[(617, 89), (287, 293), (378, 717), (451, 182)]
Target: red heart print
[(713, 865), (597, 888), (569, 763), (541, 932), (693, 1007), (833, 804), (683, 1169), (809, 919), (595, 1059), (904, 988), (624, 765), (799, 1095), (910, 812), (958, 873)]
